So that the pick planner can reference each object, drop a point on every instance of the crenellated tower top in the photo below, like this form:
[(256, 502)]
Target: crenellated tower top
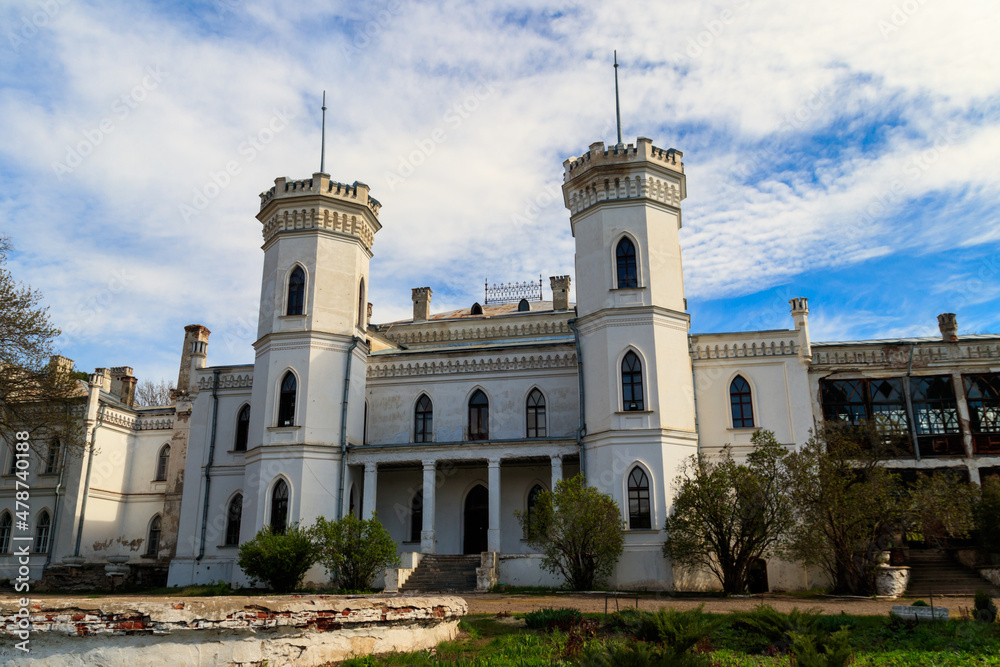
[(320, 203), (635, 171)]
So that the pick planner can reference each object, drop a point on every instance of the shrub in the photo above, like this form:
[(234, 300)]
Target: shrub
[(353, 550), (986, 611), (777, 628), (824, 650), (549, 619), (637, 654), (279, 560)]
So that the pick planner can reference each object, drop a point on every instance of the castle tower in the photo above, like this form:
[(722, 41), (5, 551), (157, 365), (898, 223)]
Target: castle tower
[(310, 348), (625, 211)]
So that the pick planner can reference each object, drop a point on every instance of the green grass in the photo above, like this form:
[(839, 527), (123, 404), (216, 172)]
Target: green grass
[(877, 641)]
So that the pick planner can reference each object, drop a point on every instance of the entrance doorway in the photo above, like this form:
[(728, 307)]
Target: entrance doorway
[(477, 520)]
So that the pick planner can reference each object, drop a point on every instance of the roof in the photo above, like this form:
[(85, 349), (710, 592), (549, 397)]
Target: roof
[(489, 310), (909, 341)]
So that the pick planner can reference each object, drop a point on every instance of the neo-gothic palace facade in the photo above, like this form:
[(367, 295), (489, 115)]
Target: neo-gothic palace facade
[(447, 424)]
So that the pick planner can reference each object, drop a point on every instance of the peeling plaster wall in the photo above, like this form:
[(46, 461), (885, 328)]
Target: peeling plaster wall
[(225, 630)]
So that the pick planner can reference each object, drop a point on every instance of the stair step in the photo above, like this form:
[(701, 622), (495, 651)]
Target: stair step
[(933, 571)]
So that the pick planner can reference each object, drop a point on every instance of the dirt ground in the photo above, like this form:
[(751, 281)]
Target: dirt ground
[(494, 603)]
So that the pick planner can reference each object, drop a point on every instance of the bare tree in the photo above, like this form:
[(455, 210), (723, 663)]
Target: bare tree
[(38, 392), (148, 392)]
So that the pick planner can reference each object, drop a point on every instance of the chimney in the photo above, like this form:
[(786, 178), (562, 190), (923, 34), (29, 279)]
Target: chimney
[(421, 303), (800, 316), (123, 384), (560, 292), (948, 324), (193, 356)]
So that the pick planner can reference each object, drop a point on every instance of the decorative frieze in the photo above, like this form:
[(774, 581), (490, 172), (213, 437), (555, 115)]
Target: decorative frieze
[(772, 348), (899, 354), (323, 218), (410, 337), (159, 422), (400, 369), (227, 381)]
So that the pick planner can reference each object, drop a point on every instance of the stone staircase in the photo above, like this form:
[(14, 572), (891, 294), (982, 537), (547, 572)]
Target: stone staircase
[(935, 571), (443, 573)]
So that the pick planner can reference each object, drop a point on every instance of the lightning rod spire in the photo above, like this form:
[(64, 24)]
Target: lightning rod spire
[(618, 112), (322, 149)]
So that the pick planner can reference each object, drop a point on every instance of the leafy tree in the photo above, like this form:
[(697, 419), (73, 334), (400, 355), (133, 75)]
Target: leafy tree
[(726, 515), (279, 560), (942, 506), (37, 394), (578, 529), (354, 550), (849, 506), (148, 392), (987, 515)]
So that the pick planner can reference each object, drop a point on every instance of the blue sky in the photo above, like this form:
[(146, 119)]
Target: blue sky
[(846, 152)]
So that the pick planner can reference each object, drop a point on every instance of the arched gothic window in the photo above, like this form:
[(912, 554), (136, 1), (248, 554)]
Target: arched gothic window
[(416, 515), (632, 383), (476, 309), (638, 500), (279, 507), (362, 309), (523, 306), (42, 530), (628, 275), (286, 400), (233, 518), (162, 463), (242, 429), (423, 420), (532, 501), (153, 541), (296, 292), (479, 416), (741, 401), (535, 411), (6, 526)]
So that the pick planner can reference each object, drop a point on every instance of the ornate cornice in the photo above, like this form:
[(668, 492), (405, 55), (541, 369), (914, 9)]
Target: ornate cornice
[(768, 348), (227, 381), (411, 337), (898, 354), (401, 369)]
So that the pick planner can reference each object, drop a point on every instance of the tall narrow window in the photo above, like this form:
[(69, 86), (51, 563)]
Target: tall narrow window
[(42, 529), (479, 416), (12, 468), (296, 292), (416, 515), (532, 501), (153, 542), (233, 518), (286, 400), (983, 395), (935, 413), (742, 405), (162, 463), (242, 429), (625, 258), (638, 500), (52, 460), (6, 526), (632, 383), (362, 309), (535, 410), (279, 507), (423, 420)]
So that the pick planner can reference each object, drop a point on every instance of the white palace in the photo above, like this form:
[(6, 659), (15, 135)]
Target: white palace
[(447, 423)]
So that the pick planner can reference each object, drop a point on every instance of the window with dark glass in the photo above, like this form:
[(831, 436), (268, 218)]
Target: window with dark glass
[(888, 405), (416, 515), (625, 258), (296, 292), (52, 460), (639, 516), (844, 401), (6, 527), (532, 501), (536, 414), (632, 382), (983, 395), (153, 542), (479, 416), (423, 420), (741, 402), (286, 400), (523, 306), (279, 507), (162, 463), (234, 516), (476, 309), (42, 529), (362, 305), (12, 468), (242, 429)]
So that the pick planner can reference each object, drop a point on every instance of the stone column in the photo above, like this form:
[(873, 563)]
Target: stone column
[(493, 535), (427, 545), (964, 419), (557, 473), (371, 480)]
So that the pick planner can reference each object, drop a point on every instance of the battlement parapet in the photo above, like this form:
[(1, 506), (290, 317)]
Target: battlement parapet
[(320, 184), (642, 150)]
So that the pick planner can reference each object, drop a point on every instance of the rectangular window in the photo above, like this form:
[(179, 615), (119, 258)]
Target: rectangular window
[(878, 402), (982, 391), (935, 414)]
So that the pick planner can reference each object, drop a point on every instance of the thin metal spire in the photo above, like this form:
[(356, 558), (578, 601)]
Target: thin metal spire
[(322, 150), (618, 111)]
